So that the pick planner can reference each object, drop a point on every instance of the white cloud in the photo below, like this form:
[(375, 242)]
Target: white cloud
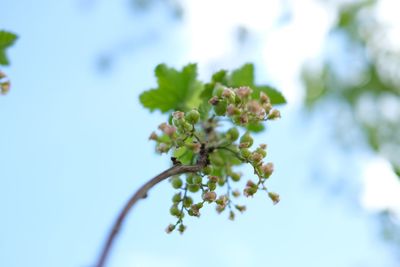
[(381, 187)]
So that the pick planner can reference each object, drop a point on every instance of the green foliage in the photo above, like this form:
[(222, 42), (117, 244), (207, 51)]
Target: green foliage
[(180, 90), (197, 112), (368, 92), (7, 39), (244, 76), (177, 90)]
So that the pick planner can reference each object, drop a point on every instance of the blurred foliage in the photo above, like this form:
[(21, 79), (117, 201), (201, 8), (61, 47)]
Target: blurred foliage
[(7, 39), (360, 73)]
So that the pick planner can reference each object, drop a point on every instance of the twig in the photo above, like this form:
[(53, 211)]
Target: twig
[(142, 192)]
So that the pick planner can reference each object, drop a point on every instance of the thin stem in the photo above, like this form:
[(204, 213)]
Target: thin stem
[(141, 193)]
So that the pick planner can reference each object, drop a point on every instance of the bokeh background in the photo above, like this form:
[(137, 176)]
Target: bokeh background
[(73, 136)]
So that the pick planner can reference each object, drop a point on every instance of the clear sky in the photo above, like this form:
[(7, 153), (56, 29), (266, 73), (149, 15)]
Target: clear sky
[(73, 142)]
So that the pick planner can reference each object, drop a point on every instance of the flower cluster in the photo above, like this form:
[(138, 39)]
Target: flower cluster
[(238, 104), (188, 133)]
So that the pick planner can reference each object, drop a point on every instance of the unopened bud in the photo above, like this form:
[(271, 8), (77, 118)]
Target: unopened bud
[(213, 101), (240, 208), (274, 114), (231, 215), (274, 197), (213, 178), (170, 228), (236, 193), (243, 91), (5, 87), (209, 196), (153, 136), (267, 169), (264, 98), (257, 157), (192, 116), (177, 115)]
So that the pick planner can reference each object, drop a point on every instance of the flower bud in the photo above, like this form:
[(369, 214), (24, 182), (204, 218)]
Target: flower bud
[(213, 100), (229, 95), (197, 179), (212, 186), (5, 87), (162, 148), (232, 110), (176, 182), (220, 108), (153, 136), (240, 208), (244, 118), (167, 129), (267, 169), (264, 98), (232, 134), (170, 228), (267, 107), (213, 178), (274, 197), (235, 176), (177, 198), (192, 116), (236, 193), (245, 153), (220, 208), (193, 188), (246, 140), (181, 228), (261, 151), (274, 114), (207, 170), (254, 107), (243, 92), (249, 191), (263, 146), (250, 183), (174, 210), (256, 157), (231, 215), (209, 196), (187, 202), (178, 115)]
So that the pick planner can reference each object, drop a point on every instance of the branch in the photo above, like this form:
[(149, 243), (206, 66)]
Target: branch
[(142, 193)]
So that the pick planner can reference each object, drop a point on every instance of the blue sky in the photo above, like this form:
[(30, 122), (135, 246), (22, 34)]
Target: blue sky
[(73, 147)]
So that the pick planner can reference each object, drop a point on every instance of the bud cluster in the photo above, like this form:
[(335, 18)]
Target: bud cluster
[(189, 133), (178, 134), (238, 104)]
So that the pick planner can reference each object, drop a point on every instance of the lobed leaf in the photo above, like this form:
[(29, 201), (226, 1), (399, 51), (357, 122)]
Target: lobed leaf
[(177, 90)]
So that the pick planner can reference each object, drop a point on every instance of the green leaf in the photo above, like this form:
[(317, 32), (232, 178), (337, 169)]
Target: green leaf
[(219, 77), (255, 127), (184, 155), (243, 76), (177, 90), (7, 39)]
